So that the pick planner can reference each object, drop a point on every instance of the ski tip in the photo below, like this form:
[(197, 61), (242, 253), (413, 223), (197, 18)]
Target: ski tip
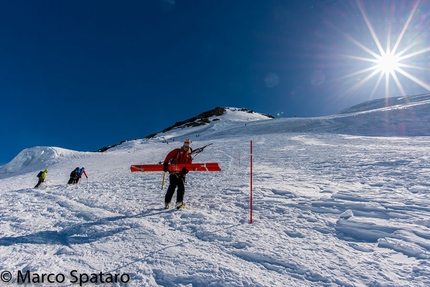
[(134, 168)]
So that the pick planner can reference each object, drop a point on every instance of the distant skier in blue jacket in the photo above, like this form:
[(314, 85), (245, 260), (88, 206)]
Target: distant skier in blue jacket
[(81, 172)]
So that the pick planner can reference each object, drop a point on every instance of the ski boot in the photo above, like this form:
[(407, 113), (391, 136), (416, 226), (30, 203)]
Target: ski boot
[(180, 205)]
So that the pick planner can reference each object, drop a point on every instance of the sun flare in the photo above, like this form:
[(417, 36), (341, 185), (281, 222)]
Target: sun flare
[(387, 62)]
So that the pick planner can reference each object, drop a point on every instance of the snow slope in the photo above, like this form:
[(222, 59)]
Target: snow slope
[(337, 201)]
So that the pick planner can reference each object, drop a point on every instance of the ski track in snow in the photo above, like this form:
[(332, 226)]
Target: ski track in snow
[(328, 210)]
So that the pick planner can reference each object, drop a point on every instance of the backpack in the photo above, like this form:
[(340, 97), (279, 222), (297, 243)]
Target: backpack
[(74, 174), (39, 174)]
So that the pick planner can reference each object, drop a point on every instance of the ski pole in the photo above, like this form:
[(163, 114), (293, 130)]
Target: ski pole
[(199, 150), (162, 180)]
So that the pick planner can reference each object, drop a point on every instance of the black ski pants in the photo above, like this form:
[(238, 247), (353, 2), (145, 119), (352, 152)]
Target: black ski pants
[(39, 182), (176, 180)]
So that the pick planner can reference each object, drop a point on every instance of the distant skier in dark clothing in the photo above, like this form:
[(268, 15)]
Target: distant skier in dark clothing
[(177, 179), (41, 175), (81, 172), (74, 176)]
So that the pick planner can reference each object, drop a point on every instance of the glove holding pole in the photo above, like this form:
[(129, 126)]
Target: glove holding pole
[(184, 171)]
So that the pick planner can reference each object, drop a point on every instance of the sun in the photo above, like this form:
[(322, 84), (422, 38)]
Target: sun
[(387, 62)]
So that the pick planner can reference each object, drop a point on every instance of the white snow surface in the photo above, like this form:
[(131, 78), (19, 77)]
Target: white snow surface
[(342, 200)]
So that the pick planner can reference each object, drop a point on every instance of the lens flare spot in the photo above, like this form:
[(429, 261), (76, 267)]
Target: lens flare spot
[(271, 80), (167, 5)]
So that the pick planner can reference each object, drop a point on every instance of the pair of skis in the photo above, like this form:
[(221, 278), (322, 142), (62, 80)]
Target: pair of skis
[(197, 167), (209, 166)]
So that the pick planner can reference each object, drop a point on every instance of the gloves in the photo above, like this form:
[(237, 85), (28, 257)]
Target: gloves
[(184, 171), (166, 167)]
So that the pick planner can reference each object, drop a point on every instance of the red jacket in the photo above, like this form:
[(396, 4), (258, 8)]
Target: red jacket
[(179, 155)]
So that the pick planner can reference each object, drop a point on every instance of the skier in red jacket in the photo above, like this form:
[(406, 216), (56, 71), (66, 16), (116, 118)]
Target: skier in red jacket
[(177, 179)]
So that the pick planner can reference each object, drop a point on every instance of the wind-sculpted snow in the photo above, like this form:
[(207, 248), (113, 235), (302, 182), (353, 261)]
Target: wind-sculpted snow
[(329, 209)]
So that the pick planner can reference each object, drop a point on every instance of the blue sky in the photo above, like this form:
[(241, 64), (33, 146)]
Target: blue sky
[(85, 74)]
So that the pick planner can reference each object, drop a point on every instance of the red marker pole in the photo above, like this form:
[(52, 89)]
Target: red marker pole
[(250, 185)]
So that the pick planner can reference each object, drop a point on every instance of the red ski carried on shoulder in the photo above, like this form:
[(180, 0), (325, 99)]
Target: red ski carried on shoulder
[(209, 166)]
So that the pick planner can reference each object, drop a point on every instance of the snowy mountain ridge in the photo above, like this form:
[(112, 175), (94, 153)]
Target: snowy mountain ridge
[(203, 121), (368, 119), (387, 103)]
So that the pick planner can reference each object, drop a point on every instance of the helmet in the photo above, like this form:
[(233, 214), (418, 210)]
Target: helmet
[(82, 168), (187, 143), (46, 170)]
